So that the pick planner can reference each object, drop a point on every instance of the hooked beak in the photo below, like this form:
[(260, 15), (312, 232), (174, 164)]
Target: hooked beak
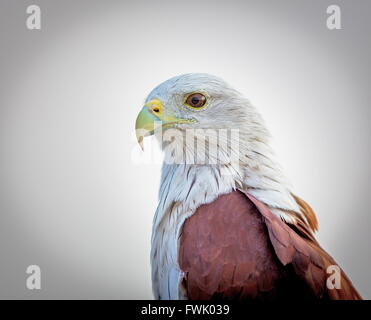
[(152, 116)]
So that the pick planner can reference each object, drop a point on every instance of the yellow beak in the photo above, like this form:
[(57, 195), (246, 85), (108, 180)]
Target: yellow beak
[(152, 115)]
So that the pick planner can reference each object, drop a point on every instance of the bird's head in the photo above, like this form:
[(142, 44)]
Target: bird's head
[(198, 102)]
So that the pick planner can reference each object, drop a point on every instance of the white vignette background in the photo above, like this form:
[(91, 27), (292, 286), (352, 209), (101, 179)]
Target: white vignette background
[(72, 200)]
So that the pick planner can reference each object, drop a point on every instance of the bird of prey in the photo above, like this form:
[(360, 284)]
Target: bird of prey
[(228, 225)]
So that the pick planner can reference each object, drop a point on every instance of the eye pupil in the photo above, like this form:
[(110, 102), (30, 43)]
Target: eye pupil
[(196, 100)]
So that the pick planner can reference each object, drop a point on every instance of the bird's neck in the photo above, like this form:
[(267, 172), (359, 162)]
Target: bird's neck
[(255, 170), (195, 184)]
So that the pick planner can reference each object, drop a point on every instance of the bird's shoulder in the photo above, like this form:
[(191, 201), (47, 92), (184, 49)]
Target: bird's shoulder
[(236, 248)]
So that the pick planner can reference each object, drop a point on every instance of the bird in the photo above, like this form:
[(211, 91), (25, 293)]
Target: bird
[(228, 225)]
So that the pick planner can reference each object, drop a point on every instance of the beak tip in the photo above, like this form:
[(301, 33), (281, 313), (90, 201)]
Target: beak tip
[(140, 142)]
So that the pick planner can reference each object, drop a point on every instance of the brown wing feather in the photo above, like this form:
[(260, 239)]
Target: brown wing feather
[(235, 248), (308, 212)]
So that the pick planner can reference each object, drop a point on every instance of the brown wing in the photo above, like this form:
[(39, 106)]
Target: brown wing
[(235, 248)]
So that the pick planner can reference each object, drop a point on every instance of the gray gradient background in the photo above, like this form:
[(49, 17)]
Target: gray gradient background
[(74, 202)]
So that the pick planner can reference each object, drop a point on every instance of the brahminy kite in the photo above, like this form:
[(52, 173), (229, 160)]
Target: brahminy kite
[(228, 225)]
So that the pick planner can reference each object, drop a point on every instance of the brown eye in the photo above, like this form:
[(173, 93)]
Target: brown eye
[(196, 100)]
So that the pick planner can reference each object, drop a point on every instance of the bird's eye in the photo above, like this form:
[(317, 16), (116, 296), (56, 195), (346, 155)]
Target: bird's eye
[(196, 100)]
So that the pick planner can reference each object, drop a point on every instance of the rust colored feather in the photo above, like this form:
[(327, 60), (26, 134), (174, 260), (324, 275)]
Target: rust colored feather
[(308, 212), (236, 248)]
